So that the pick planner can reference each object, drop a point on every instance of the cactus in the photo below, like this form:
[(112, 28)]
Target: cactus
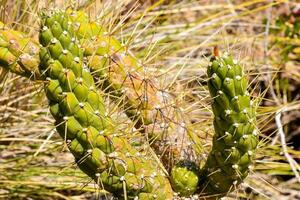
[(235, 139), (185, 178), (18, 53), (81, 120), (124, 78), (69, 41)]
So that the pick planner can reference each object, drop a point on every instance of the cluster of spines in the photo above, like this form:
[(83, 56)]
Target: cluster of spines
[(235, 139), (82, 121)]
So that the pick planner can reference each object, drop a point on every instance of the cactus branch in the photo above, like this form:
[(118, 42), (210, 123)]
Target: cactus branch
[(235, 139), (80, 116)]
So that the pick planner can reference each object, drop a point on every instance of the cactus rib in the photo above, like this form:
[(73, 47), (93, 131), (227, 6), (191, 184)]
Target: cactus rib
[(235, 139), (80, 117)]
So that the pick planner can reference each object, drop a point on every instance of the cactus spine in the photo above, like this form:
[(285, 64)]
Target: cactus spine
[(235, 139), (81, 120)]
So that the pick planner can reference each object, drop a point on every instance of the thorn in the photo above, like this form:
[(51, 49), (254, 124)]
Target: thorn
[(81, 105), (236, 125), (77, 59), (103, 44), (227, 112), (254, 132), (214, 75), (53, 40), (89, 150), (101, 132)]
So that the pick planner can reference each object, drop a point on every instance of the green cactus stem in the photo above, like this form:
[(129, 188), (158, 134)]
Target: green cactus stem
[(127, 81), (235, 139), (124, 78), (18, 53), (82, 121)]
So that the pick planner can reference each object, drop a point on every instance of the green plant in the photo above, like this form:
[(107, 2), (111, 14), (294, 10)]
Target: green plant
[(235, 138), (123, 77), (80, 115), (18, 53), (102, 150), (288, 27)]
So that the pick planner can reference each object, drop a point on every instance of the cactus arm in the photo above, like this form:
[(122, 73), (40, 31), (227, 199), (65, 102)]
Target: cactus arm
[(139, 96), (18, 53), (235, 139), (127, 81), (139, 102), (80, 117)]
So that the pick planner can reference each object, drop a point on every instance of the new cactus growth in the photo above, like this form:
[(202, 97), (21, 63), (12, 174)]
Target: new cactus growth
[(235, 139), (81, 120), (185, 178)]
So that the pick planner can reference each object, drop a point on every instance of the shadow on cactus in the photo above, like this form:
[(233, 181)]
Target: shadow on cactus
[(69, 62)]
